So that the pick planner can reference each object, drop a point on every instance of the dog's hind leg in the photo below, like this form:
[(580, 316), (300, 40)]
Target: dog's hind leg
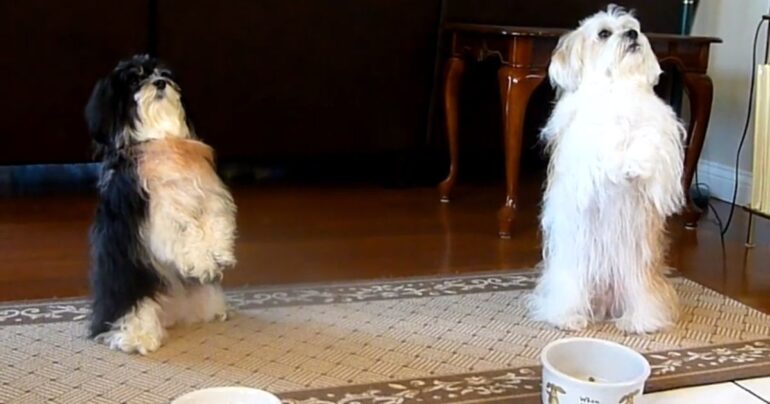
[(648, 300), (650, 305), (141, 330), (563, 295), (561, 300)]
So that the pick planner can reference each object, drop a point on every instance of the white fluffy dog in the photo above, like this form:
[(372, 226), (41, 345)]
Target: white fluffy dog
[(614, 176)]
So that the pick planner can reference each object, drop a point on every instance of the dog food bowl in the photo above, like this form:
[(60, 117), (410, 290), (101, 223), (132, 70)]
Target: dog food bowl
[(592, 371), (228, 395)]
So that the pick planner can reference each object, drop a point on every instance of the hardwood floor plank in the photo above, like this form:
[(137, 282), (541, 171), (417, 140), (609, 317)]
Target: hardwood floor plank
[(300, 234)]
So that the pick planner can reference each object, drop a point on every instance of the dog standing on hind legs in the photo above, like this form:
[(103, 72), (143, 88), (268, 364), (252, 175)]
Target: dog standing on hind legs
[(614, 176), (164, 229)]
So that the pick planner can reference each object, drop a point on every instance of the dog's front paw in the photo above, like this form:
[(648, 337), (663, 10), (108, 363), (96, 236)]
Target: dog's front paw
[(636, 170), (212, 274), (225, 260), (639, 162), (205, 269)]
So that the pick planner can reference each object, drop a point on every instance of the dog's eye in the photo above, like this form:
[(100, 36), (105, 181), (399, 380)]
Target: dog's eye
[(604, 34)]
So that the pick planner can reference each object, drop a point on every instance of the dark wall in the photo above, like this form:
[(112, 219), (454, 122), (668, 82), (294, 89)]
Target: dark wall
[(51, 53), (294, 78), (264, 80), (661, 16)]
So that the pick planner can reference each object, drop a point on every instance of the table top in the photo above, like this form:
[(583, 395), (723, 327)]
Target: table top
[(504, 30)]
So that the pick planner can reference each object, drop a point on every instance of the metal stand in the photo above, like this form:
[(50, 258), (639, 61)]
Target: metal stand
[(750, 231)]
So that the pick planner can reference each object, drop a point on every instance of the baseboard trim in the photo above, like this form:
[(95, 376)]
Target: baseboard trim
[(720, 179)]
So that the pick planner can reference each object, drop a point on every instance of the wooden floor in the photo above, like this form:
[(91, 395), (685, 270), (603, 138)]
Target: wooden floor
[(298, 234)]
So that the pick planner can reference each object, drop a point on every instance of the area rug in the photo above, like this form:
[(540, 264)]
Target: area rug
[(463, 339)]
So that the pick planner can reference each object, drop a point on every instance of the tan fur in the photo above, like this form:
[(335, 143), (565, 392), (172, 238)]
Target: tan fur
[(167, 159), (191, 222)]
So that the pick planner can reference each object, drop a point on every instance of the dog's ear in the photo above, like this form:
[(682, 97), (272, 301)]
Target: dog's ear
[(651, 66), (102, 112), (566, 66)]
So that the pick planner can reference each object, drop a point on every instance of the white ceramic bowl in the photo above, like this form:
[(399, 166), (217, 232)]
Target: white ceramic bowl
[(592, 371), (228, 395)]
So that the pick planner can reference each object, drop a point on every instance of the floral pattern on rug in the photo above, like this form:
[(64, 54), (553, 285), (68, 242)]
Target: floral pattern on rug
[(676, 367), (18, 313)]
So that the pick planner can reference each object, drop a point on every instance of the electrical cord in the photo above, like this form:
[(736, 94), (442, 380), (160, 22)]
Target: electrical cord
[(719, 223), (702, 191), (745, 127)]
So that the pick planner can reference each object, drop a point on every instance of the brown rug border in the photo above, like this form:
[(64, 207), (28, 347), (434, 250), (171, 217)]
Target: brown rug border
[(42, 311), (250, 298), (670, 369)]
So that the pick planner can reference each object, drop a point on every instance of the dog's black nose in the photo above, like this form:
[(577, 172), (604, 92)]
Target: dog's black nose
[(632, 34), (160, 84)]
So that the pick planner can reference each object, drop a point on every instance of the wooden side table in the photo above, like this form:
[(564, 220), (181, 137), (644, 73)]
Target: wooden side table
[(524, 55)]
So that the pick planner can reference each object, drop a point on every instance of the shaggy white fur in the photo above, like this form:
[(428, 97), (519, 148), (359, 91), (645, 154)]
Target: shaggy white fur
[(614, 176)]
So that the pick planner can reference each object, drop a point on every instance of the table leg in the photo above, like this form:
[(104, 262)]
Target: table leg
[(454, 71), (516, 87), (700, 91)]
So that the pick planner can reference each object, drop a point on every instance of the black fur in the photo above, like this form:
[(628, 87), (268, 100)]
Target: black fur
[(121, 272), (107, 109)]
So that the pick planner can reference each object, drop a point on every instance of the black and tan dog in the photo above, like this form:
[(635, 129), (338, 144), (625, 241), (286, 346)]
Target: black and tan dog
[(165, 223)]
